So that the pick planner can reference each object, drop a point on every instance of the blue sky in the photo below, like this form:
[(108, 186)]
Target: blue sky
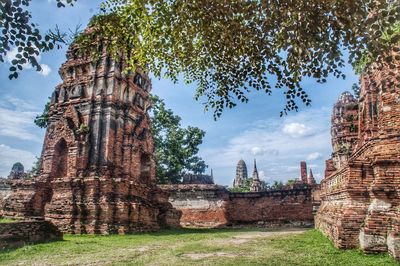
[(252, 130)]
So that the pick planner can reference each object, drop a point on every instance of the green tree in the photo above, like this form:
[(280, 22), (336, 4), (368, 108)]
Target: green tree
[(290, 182), (356, 90), (176, 147), (18, 31), (228, 48), (42, 120), (245, 187), (35, 168), (277, 185), (231, 48)]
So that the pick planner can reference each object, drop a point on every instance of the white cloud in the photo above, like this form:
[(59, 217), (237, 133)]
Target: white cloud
[(263, 176), (10, 102), (258, 151), (45, 68), (296, 130), (314, 156), (16, 118), (9, 156)]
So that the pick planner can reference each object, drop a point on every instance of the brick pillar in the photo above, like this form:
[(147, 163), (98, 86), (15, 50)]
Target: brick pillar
[(303, 171)]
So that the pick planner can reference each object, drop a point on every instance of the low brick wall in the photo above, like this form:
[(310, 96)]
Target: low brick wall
[(201, 205), (215, 206), (5, 190), (18, 234), (272, 208)]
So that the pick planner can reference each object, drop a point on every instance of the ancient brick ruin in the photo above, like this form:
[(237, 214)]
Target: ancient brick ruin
[(5, 191), (361, 189), (20, 233), (97, 172)]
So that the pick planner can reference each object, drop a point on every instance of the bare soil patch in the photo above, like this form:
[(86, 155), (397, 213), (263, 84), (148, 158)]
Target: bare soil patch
[(250, 236), (199, 256)]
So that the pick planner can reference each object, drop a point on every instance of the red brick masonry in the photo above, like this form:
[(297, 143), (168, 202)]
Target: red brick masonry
[(18, 234)]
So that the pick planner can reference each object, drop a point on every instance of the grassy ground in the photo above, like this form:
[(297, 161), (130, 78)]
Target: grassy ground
[(194, 247), (7, 220)]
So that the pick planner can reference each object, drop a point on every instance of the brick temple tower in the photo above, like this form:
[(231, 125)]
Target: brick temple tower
[(98, 171), (303, 172), (344, 129)]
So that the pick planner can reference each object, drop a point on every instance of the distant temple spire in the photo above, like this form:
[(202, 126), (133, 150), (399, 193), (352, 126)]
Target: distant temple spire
[(311, 179), (256, 183), (255, 171)]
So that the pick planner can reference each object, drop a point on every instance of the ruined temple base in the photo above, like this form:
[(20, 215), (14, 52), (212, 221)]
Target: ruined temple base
[(93, 205), (18, 234)]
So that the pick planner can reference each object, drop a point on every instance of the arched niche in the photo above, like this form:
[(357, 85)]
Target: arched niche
[(59, 166), (125, 96)]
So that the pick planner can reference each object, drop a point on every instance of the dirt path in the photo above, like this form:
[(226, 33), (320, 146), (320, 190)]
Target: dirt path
[(239, 239)]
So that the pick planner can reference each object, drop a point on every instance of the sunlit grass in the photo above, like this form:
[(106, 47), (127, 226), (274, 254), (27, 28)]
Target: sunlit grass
[(193, 247), (7, 220)]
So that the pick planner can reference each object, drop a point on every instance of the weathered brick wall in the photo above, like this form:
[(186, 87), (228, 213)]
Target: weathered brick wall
[(292, 207), (18, 234), (214, 206), (5, 190), (201, 205)]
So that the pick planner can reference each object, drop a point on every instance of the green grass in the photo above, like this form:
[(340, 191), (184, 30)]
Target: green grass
[(193, 247), (7, 220)]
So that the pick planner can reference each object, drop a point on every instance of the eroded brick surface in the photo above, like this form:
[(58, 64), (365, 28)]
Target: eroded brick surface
[(18, 234), (5, 191)]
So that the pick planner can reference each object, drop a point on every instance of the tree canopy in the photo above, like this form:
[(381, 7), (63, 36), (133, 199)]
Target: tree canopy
[(228, 48)]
